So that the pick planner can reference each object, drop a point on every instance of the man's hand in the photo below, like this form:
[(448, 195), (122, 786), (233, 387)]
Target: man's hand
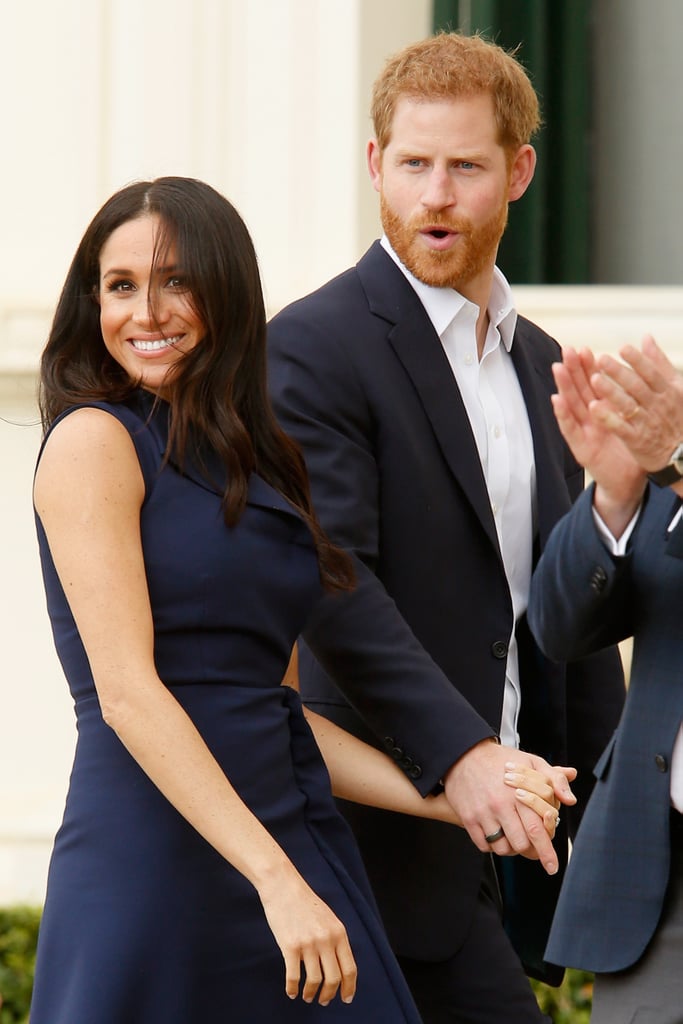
[(641, 401), (587, 426), (475, 788)]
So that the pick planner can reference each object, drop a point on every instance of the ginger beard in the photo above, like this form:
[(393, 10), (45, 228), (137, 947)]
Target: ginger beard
[(474, 251)]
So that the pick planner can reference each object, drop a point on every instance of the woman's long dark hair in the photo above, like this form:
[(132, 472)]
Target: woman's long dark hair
[(217, 392)]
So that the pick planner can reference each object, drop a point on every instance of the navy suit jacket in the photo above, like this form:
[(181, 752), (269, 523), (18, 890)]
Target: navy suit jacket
[(583, 599), (414, 659)]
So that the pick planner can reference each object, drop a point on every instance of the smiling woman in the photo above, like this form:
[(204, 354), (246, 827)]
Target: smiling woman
[(147, 315), (201, 868)]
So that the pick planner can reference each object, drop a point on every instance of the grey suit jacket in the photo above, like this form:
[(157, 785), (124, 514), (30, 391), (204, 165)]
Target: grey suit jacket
[(583, 599)]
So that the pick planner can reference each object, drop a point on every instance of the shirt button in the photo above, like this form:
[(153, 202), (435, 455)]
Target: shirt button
[(468, 359), (497, 431)]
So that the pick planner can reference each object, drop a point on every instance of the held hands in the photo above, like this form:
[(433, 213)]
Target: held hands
[(534, 789), (492, 787), (309, 933)]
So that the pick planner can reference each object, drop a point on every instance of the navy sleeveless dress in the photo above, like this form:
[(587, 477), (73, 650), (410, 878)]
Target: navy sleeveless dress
[(144, 922)]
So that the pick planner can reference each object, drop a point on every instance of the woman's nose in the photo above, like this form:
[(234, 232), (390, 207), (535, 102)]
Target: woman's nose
[(149, 310)]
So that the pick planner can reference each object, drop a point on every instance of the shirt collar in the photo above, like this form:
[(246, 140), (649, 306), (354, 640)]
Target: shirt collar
[(443, 305)]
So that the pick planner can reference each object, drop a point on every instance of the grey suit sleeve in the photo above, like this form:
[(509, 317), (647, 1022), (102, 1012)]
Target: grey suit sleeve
[(579, 601)]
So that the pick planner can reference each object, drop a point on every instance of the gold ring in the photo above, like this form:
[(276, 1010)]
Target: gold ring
[(628, 416)]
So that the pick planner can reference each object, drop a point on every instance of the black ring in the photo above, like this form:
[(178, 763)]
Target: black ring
[(495, 836)]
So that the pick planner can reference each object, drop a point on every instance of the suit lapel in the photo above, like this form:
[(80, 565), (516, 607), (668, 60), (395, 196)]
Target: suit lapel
[(419, 349), (536, 382)]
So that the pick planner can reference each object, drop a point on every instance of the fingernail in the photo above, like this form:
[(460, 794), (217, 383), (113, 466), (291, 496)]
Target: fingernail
[(511, 766), (551, 869), (347, 999), (511, 776)]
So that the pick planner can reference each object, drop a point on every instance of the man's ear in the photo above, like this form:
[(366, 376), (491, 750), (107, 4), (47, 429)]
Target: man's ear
[(521, 171), (374, 158)]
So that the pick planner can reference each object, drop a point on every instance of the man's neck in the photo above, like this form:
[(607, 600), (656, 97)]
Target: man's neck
[(478, 291), (482, 329)]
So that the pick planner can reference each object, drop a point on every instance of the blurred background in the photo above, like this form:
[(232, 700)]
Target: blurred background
[(267, 100)]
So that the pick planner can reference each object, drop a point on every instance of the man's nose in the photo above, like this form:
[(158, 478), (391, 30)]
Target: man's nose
[(439, 191)]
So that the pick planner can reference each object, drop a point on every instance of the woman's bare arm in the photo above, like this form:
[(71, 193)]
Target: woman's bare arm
[(88, 494)]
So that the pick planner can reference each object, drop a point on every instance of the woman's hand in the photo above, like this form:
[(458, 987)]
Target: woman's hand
[(309, 933), (533, 790)]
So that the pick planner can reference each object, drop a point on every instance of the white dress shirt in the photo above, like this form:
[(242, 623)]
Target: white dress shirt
[(618, 547), (497, 413)]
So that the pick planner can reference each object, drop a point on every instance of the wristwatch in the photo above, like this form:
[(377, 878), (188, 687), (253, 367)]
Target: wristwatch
[(672, 472)]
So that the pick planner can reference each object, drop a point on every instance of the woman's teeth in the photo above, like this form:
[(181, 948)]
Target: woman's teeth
[(155, 346)]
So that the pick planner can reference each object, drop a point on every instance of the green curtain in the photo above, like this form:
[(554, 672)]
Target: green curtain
[(547, 240)]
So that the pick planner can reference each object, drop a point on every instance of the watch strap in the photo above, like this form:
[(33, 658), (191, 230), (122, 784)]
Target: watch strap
[(665, 477), (672, 472)]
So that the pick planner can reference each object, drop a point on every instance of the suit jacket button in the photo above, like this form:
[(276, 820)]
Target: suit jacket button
[(396, 753), (499, 649), (598, 579), (415, 772), (406, 762), (662, 763), (389, 742)]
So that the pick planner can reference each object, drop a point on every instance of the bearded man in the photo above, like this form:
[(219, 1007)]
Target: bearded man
[(422, 402)]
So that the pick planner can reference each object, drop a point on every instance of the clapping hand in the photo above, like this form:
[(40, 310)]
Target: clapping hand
[(587, 423), (640, 400)]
